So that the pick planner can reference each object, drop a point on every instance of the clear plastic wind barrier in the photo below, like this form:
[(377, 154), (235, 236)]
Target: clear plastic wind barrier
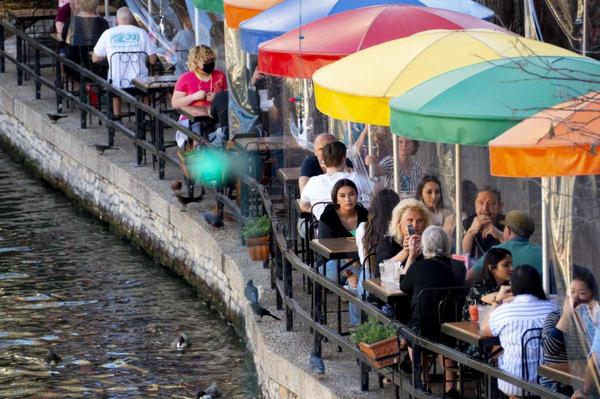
[(172, 26)]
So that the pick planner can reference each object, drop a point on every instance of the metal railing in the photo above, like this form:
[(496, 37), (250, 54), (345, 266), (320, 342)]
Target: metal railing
[(284, 263)]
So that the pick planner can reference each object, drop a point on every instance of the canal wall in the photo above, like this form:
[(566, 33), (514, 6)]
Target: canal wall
[(142, 208)]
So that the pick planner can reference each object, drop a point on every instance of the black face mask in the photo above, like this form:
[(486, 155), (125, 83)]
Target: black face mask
[(209, 67)]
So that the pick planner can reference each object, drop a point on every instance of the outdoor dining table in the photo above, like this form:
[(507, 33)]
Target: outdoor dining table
[(565, 373), (335, 249)]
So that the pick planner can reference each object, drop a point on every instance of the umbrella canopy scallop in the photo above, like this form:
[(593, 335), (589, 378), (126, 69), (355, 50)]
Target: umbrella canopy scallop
[(363, 28), (214, 6), (292, 14), (560, 141), (237, 11), (474, 104), (358, 87)]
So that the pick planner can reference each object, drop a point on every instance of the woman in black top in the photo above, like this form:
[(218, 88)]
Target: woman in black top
[(395, 245), (80, 34), (342, 217), (497, 269)]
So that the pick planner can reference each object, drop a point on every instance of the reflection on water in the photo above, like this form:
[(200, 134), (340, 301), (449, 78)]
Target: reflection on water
[(108, 311)]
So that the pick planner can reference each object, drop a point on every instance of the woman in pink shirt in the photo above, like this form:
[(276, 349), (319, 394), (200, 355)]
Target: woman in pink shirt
[(196, 89)]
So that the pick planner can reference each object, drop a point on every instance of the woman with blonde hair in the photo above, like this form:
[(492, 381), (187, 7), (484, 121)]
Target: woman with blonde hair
[(403, 241), (195, 90)]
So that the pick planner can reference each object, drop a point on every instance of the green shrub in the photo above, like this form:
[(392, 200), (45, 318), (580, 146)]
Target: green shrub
[(257, 227), (373, 331)]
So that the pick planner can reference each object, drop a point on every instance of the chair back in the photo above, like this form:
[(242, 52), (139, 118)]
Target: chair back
[(531, 354), (124, 66), (438, 306)]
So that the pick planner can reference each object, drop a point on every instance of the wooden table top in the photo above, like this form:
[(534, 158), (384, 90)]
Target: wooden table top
[(265, 143), (385, 292), (335, 248), (29, 13), (57, 37), (469, 332), (566, 373), (289, 175), (163, 82)]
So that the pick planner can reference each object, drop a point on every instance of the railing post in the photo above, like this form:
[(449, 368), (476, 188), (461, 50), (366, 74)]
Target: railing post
[(289, 293), (38, 84), (109, 112), (139, 134), (83, 100), (160, 147), (317, 294), (2, 60), (59, 86), (19, 59)]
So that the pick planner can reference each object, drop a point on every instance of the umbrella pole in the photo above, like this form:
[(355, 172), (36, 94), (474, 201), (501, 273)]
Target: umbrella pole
[(458, 199), (370, 150), (106, 9), (396, 164), (545, 265)]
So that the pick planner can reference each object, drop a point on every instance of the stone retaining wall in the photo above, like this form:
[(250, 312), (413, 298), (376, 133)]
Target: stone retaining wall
[(144, 211)]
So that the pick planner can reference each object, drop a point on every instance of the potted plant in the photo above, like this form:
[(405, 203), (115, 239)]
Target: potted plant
[(378, 342), (256, 233)]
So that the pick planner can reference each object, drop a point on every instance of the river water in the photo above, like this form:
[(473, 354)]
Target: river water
[(108, 310)]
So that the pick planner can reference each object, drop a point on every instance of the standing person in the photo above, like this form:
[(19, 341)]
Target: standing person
[(314, 164), (122, 69), (341, 219), (181, 44), (429, 191), (195, 90), (509, 321), (81, 32), (410, 169), (483, 230), (395, 245)]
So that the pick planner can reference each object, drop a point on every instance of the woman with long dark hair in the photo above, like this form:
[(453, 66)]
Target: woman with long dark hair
[(429, 192)]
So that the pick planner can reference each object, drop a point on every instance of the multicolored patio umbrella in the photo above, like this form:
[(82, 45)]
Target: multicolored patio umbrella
[(560, 141), (293, 13), (364, 27), (214, 6), (358, 87), (237, 11), (475, 104)]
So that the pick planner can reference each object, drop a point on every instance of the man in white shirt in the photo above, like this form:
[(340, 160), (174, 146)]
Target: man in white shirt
[(123, 68), (318, 188)]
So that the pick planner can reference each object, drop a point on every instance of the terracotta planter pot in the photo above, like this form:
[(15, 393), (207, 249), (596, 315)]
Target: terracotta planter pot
[(383, 353), (258, 248)]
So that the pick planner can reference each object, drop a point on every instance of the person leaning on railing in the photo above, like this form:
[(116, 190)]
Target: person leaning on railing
[(195, 91)]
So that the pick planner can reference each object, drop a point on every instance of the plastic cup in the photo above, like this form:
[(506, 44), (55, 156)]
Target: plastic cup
[(483, 311), (473, 313)]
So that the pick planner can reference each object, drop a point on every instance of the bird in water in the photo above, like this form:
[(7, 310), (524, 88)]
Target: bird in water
[(181, 342), (316, 364), (52, 358), (251, 292), (211, 392), (54, 117), (101, 148), (260, 311), (186, 200)]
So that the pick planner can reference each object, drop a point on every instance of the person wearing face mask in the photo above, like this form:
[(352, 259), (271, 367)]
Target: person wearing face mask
[(195, 91), (582, 301)]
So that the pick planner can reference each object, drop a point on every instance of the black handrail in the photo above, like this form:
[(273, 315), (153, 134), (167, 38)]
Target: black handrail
[(283, 261)]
